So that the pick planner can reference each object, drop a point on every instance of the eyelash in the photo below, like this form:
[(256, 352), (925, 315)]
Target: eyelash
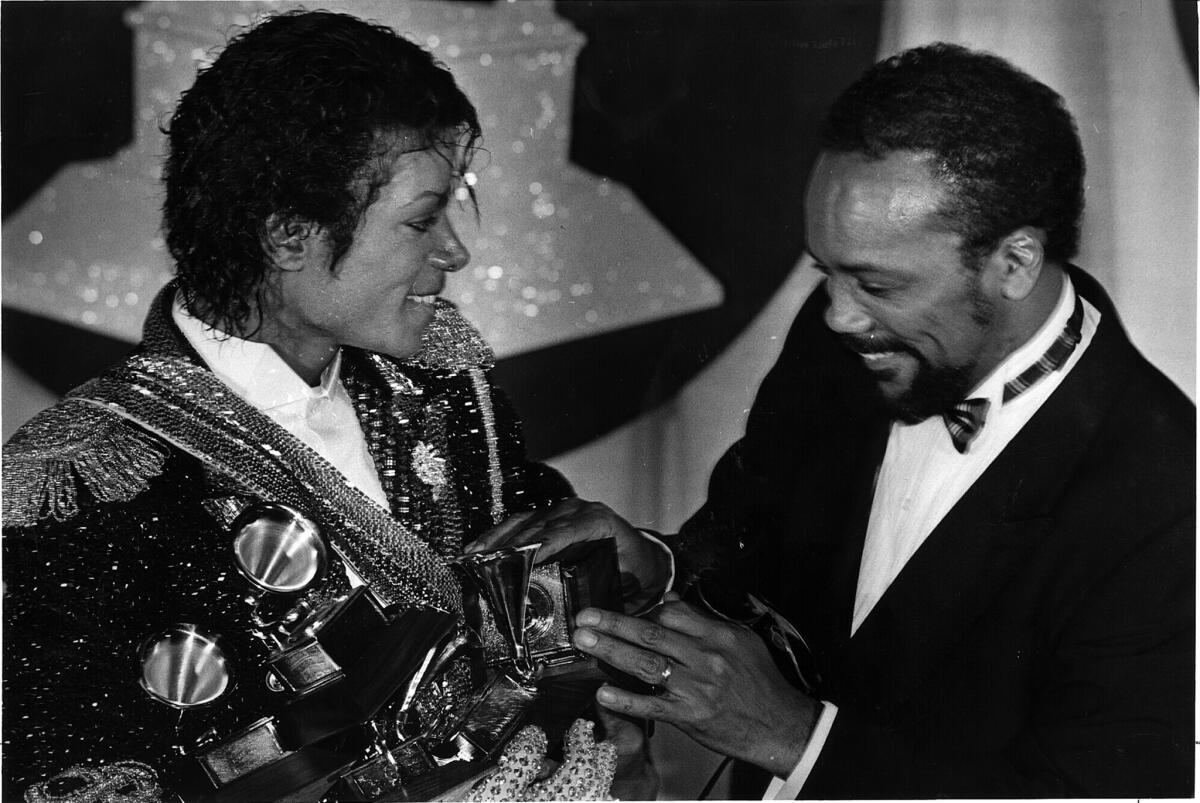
[(876, 290), (424, 225)]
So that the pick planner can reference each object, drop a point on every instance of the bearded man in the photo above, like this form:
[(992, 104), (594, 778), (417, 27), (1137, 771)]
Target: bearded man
[(963, 512)]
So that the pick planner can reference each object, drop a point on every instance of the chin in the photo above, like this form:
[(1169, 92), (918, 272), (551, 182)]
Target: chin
[(895, 391), (903, 406), (405, 351), (406, 340), (400, 349), (930, 392)]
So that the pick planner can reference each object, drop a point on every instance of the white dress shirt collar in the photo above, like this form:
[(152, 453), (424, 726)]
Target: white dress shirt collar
[(254, 371), (322, 417)]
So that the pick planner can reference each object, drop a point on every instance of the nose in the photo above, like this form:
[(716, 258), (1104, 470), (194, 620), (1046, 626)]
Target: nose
[(844, 315), (450, 254)]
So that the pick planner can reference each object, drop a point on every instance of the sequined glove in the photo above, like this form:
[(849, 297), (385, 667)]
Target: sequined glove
[(585, 774), (119, 782)]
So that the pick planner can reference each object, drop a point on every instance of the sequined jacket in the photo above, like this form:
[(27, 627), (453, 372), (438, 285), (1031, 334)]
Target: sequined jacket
[(117, 502)]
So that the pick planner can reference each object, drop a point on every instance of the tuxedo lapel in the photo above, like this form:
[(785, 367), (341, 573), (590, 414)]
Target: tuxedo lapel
[(832, 502), (843, 575), (986, 538)]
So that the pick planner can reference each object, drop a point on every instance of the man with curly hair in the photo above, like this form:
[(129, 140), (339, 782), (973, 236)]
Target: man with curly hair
[(300, 358), (963, 511)]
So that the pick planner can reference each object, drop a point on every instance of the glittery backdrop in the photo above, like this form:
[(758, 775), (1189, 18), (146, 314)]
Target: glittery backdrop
[(558, 254)]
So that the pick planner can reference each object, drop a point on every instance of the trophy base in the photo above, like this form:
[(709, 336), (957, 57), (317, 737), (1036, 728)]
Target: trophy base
[(304, 776), (448, 783), (566, 692)]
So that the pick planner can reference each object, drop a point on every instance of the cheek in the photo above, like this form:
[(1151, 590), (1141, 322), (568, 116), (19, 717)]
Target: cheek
[(403, 261), (900, 325), (924, 328)]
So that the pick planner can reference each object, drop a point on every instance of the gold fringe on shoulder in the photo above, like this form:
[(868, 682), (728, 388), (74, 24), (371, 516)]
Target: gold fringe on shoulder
[(226, 508), (71, 444)]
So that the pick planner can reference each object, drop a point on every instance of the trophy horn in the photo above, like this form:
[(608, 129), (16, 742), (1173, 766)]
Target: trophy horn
[(502, 578), (278, 549), (184, 667)]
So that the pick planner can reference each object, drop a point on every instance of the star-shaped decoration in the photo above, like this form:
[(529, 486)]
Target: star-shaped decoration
[(430, 467)]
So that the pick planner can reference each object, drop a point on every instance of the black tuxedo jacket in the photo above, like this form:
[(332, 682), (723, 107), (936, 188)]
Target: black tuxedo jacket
[(1040, 642)]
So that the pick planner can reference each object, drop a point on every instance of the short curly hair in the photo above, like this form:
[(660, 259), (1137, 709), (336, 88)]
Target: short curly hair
[(283, 127), (1003, 143)]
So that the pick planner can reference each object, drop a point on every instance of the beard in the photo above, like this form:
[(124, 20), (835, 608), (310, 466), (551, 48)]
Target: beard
[(936, 388)]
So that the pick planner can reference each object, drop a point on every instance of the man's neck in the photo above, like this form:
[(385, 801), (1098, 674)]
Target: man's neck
[(1023, 323), (306, 357), (1023, 320), (309, 360), (1032, 315)]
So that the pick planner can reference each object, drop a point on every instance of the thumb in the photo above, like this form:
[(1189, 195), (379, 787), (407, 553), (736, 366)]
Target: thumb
[(497, 536), (624, 734)]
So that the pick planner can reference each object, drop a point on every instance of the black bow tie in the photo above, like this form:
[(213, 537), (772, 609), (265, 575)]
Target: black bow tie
[(965, 419)]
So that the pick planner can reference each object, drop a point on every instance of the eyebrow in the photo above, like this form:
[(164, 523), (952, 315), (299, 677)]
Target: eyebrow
[(854, 268), (863, 268), (441, 198)]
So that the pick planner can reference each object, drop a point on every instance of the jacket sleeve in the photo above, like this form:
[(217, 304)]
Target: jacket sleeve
[(81, 594), (753, 486), (529, 483)]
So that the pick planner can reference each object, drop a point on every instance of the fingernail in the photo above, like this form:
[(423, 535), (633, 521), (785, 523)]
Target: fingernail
[(588, 617), (585, 638), (605, 695)]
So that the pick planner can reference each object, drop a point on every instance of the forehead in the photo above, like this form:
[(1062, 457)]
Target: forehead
[(403, 165), (853, 199)]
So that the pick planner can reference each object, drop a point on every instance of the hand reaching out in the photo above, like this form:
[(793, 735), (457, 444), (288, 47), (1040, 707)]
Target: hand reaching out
[(644, 565), (717, 682)]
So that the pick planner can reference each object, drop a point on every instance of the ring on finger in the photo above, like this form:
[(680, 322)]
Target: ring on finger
[(665, 675)]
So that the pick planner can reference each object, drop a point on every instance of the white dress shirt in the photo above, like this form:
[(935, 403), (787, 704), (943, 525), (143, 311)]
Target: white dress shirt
[(322, 417), (923, 476)]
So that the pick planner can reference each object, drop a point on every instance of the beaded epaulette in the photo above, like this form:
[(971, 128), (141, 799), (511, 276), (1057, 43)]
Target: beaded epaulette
[(73, 448), (450, 342)]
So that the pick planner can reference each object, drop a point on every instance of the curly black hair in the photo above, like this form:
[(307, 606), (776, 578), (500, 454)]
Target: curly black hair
[(281, 129), (1003, 143)]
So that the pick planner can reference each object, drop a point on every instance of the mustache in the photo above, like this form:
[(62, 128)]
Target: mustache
[(864, 344)]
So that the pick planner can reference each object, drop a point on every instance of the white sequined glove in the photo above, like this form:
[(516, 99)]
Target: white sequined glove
[(585, 774), (119, 782)]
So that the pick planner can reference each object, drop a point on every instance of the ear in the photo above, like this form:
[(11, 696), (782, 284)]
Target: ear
[(1019, 259), (290, 243)]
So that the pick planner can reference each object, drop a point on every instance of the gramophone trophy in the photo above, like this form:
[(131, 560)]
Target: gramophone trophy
[(281, 553), (344, 677), (335, 664), (535, 675), (530, 612)]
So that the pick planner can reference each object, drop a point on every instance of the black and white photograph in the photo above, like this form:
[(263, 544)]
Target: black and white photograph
[(517, 400)]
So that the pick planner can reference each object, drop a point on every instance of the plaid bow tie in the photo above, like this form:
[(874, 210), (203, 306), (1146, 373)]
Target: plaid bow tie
[(965, 419)]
